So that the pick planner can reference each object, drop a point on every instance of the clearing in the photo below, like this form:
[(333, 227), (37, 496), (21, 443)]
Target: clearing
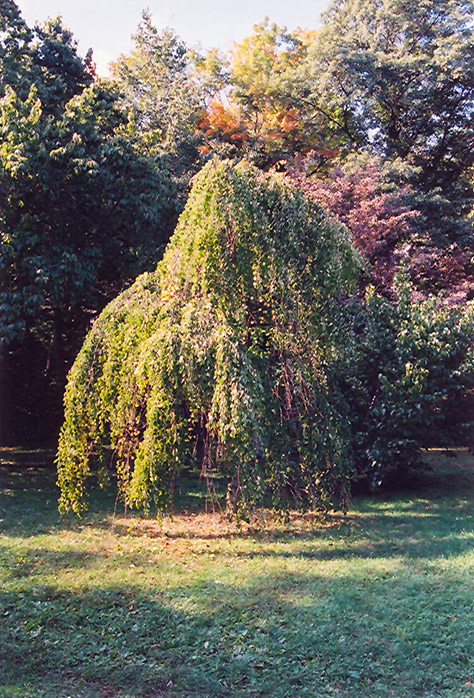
[(376, 604)]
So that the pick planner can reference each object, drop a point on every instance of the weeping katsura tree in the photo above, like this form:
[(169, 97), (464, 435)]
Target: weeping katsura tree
[(221, 358)]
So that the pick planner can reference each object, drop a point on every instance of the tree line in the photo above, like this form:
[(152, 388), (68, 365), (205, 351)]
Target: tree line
[(369, 116)]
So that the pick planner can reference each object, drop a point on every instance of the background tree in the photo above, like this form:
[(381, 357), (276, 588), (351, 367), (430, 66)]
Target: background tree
[(363, 197), (221, 358), (380, 207), (15, 39), (165, 102), (45, 56), (406, 72), (262, 66), (58, 72), (263, 112), (83, 212)]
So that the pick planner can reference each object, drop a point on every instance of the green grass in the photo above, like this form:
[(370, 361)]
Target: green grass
[(377, 604)]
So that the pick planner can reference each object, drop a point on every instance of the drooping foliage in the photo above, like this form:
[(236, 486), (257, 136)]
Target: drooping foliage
[(222, 357), (391, 79), (376, 107)]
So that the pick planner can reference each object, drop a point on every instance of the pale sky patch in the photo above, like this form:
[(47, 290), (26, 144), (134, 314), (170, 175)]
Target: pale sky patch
[(102, 60), (107, 26)]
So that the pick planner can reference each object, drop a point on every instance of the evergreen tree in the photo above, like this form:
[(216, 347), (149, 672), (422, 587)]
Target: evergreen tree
[(82, 213)]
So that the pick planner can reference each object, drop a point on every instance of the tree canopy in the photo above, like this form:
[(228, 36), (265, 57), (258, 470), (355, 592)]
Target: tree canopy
[(222, 356), (45, 56), (78, 207), (162, 99), (405, 73), (83, 209), (371, 115)]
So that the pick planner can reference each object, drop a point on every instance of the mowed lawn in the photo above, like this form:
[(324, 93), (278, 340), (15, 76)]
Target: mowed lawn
[(376, 604)]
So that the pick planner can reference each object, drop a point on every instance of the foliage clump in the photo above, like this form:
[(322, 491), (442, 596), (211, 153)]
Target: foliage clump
[(222, 357), (83, 210), (408, 380)]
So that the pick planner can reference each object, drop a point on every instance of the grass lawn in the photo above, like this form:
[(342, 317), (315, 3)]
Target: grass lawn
[(377, 604)]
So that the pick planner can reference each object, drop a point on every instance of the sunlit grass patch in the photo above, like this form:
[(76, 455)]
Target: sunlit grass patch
[(377, 603)]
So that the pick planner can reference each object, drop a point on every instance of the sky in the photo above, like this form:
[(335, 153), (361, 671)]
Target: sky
[(106, 26)]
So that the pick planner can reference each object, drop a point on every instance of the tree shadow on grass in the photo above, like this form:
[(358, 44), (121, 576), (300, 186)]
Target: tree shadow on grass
[(307, 626), (29, 501), (412, 530), (279, 634)]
